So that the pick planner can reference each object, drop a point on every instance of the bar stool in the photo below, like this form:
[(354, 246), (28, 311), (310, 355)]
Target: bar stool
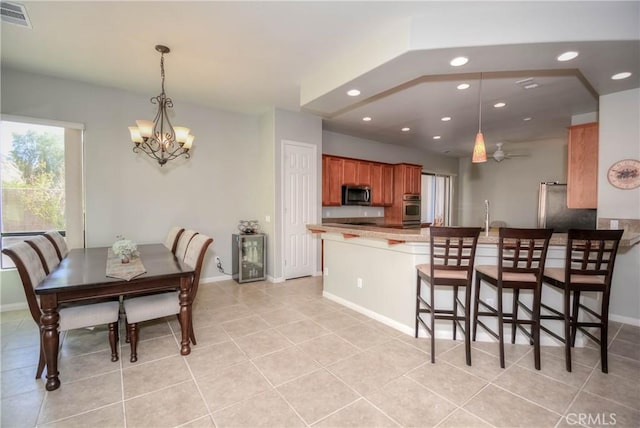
[(589, 262), (521, 259), (452, 256)]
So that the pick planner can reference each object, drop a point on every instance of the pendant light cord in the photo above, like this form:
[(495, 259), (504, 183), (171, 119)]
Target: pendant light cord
[(480, 106)]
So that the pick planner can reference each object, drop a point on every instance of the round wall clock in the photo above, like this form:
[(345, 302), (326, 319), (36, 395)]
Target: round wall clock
[(625, 174)]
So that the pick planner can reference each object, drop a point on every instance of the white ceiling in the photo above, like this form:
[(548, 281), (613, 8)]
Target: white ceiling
[(252, 56)]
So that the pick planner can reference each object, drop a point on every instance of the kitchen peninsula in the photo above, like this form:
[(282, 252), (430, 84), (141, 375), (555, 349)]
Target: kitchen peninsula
[(372, 270)]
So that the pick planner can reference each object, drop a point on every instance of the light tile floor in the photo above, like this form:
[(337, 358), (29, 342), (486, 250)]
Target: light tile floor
[(280, 355)]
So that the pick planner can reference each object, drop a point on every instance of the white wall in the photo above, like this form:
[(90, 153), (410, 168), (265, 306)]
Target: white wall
[(510, 186), (301, 128), (354, 147), (129, 194), (619, 138)]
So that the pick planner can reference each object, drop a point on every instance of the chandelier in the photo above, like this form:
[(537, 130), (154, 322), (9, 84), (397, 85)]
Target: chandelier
[(158, 138)]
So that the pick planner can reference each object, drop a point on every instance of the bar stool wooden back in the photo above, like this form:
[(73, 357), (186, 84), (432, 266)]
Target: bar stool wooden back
[(521, 258), (589, 261), (452, 256)]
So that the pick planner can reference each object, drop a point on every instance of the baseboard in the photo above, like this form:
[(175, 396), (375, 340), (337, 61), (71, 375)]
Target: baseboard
[(13, 307), (444, 332), (216, 278), (624, 320), (371, 314)]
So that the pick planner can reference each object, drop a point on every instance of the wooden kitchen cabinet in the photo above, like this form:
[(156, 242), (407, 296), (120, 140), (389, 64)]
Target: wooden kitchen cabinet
[(350, 171), (332, 168), (364, 173), (582, 171), (409, 177), (338, 171), (381, 184)]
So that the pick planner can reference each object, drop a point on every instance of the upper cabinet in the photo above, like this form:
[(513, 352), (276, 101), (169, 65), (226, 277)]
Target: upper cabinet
[(381, 184), (408, 178), (582, 171), (332, 172), (338, 171)]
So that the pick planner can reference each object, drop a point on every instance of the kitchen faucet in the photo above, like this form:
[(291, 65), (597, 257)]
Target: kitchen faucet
[(486, 217)]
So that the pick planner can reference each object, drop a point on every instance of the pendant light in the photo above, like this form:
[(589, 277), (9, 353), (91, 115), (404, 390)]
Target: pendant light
[(479, 150)]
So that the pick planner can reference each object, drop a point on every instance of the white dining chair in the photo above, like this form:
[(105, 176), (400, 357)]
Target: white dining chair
[(159, 305), (172, 238), (183, 242), (46, 251), (31, 271), (59, 242)]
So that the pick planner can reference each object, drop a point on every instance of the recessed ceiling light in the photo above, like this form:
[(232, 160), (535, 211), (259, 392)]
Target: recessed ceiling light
[(366, 119), (621, 76), (405, 129), (463, 86), (446, 119), (567, 56), (526, 119), (353, 92), (458, 61), (436, 137), (531, 86), (500, 104)]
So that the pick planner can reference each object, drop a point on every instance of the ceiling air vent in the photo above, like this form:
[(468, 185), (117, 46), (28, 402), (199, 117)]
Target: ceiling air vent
[(14, 13), (528, 83)]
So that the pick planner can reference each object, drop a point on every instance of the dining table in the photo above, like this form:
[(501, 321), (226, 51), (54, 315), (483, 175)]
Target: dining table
[(82, 276)]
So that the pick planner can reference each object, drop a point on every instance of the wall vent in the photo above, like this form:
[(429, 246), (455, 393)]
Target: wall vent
[(14, 13)]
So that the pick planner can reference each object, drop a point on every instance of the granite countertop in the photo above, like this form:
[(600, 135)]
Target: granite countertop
[(422, 235)]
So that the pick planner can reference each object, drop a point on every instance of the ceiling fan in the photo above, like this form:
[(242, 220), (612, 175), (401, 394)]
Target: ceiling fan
[(499, 155)]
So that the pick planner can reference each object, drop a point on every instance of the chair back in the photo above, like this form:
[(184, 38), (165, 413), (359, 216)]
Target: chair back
[(46, 251), (453, 249), (59, 242), (195, 256), (31, 273), (172, 238), (522, 253), (183, 243), (590, 257)]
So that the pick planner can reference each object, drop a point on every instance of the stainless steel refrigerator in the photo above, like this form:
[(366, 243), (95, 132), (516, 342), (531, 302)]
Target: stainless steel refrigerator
[(554, 214)]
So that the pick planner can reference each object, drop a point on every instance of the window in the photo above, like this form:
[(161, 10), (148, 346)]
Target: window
[(436, 199), (40, 179)]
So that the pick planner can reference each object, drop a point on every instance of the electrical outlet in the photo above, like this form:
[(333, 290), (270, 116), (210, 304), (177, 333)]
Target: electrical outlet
[(359, 282), (326, 271), (613, 224), (267, 219)]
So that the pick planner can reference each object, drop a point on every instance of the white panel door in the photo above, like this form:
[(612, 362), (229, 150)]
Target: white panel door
[(300, 206)]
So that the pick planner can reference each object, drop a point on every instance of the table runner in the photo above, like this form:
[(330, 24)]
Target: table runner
[(126, 271)]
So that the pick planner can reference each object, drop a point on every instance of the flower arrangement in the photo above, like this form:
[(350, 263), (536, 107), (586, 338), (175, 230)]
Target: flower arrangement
[(124, 247)]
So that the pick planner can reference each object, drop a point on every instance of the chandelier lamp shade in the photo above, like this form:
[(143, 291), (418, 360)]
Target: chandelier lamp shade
[(479, 149), (158, 138)]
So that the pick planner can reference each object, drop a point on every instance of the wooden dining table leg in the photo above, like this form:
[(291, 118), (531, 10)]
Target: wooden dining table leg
[(185, 314), (50, 339)]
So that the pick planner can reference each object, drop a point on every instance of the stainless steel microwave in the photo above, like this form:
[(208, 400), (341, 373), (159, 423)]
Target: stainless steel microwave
[(356, 195)]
